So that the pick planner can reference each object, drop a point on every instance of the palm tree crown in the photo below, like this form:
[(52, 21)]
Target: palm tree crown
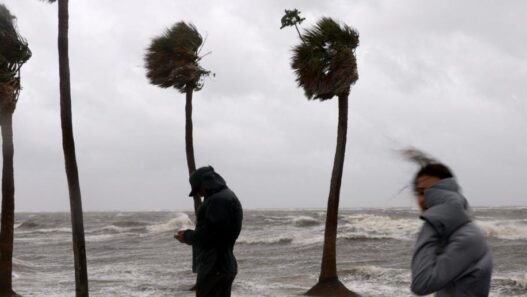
[(14, 52), (172, 60), (324, 62)]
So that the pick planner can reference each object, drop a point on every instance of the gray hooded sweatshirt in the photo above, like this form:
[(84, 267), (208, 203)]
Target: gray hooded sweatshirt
[(451, 255)]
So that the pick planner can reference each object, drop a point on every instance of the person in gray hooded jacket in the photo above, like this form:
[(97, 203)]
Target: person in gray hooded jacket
[(451, 257), (219, 222)]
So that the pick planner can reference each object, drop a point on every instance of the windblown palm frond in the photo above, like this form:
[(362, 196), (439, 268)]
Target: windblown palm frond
[(325, 63), (172, 60), (14, 52)]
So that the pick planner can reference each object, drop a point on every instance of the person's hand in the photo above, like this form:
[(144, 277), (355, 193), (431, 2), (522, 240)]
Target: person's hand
[(180, 236)]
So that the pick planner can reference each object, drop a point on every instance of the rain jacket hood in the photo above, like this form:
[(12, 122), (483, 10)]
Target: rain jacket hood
[(211, 181), (447, 208)]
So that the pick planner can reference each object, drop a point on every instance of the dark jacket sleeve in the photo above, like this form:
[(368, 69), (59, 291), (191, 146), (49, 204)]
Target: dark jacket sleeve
[(212, 227), (434, 266)]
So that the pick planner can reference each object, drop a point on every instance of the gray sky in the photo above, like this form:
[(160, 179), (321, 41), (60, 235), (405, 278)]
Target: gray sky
[(447, 77)]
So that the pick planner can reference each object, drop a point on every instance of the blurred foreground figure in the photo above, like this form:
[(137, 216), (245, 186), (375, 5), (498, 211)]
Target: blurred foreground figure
[(219, 222), (451, 257)]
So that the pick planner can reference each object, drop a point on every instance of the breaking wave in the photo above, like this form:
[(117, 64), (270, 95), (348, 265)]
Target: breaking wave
[(376, 272), (129, 224), (305, 221), (27, 225), (509, 229), (265, 240), (181, 221), (512, 285), (367, 226)]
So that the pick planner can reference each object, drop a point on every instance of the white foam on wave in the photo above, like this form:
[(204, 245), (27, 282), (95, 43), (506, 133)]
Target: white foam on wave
[(259, 239), (520, 281), (377, 289), (305, 221), (49, 230), (371, 280), (504, 229), (377, 272), (181, 221), (116, 229), (366, 226), (100, 237), (295, 238), (22, 263), (510, 283), (298, 221), (380, 227)]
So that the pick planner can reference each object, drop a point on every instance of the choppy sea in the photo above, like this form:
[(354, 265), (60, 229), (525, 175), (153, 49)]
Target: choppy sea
[(134, 254)]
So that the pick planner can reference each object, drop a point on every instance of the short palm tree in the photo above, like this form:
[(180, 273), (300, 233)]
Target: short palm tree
[(325, 66), (172, 60), (14, 52), (70, 159)]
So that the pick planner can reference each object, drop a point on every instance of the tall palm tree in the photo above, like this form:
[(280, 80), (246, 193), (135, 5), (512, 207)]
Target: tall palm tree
[(14, 52), (172, 60), (325, 66), (68, 146)]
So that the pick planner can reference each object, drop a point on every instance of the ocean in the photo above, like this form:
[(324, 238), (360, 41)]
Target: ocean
[(134, 254)]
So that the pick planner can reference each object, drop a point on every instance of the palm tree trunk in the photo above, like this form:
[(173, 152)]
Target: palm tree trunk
[(191, 163), (328, 283), (68, 145), (298, 31), (8, 206), (329, 267), (189, 141)]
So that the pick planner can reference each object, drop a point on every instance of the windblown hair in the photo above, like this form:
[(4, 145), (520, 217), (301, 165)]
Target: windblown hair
[(429, 166)]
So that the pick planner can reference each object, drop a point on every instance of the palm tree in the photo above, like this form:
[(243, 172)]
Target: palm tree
[(292, 18), (172, 60), (14, 52), (68, 146), (325, 67)]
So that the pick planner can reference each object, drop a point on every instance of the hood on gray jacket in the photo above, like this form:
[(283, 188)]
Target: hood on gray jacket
[(447, 208)]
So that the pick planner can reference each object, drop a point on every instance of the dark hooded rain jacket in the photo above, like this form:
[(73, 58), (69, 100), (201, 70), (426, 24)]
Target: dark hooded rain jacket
[(219, 222)]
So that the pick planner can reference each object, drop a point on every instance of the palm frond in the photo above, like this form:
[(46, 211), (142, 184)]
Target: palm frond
[(14, 52), (324, 62), (172, 60)]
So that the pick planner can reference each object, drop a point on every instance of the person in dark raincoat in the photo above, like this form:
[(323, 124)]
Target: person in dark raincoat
[(219, 222), (451, 257)]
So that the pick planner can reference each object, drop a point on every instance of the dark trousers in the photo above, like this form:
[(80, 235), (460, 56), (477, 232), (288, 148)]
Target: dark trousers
[(214, 285)]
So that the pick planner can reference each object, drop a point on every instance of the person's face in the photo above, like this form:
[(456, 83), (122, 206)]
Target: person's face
[(201, 191), (423, 183)]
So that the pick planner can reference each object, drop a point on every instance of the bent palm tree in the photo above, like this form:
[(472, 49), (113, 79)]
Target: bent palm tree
[(68, 146), (14, 52), (325, 67), (172, 60)]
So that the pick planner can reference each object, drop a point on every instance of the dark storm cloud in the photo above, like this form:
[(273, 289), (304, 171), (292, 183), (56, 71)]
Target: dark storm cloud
[(444, 76)]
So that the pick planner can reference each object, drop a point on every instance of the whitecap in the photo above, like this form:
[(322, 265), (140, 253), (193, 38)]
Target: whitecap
[(365, 226), (305, 221), (265, 240), (504, 229), (181, 221)]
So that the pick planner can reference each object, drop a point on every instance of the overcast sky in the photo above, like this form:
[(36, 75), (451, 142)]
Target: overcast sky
[(448, 77)]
